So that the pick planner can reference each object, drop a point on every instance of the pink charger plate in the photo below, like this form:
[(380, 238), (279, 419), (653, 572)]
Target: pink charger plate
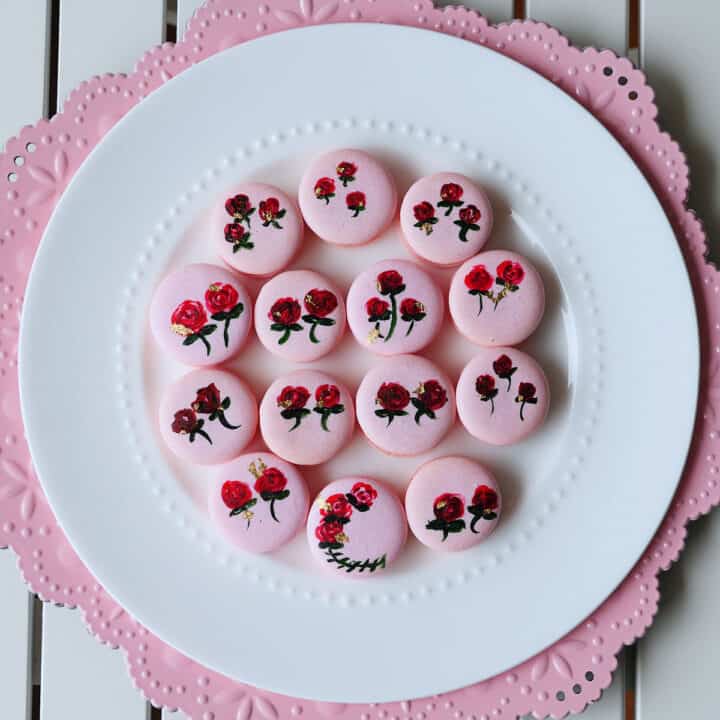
[(564, 677)]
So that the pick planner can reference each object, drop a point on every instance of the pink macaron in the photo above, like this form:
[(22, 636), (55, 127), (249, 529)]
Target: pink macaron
[(299, 315), (200, 314), (497, 298), (502, 396), (446, 218), (394, 307), (208, 416), (452, 503), (256, 228), (307, 417), (258, 501), (356, 527), (347, 197), (405, 405)]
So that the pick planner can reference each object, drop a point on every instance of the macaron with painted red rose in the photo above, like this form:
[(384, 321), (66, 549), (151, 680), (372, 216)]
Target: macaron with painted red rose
[(258, 501), (299, 315), (347, 197), (200, 314), (446, 218)]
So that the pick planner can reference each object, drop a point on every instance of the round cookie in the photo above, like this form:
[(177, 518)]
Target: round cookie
[(356, 527), (200, 314), (256, 228), (502, 396), (258, 501), (208, 416), (446, 218), (347, 197), (394, 307), (306, 417), (452, 503), (497, 298), (405, 405), (299, 315)]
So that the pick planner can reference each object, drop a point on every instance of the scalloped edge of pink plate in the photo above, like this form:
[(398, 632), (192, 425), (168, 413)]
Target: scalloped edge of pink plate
[(563, 678)]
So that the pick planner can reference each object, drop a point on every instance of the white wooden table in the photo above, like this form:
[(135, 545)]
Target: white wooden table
[(50, 668)]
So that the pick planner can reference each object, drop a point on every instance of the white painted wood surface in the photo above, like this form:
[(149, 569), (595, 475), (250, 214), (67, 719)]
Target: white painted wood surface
[(494, 10)]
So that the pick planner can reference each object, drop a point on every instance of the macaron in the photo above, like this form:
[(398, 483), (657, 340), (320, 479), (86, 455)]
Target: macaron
[(347, 197), (356, 527), (394, 307), (405, 405), (256, 228), (452, 503), (497, 298), (307, 417), (446, 218), (200, 314), (502, 396), (258, 501), (299, 315), (208, 416)]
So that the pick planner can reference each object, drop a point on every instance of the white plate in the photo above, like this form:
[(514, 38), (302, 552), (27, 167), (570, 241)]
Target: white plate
[(583, 497)]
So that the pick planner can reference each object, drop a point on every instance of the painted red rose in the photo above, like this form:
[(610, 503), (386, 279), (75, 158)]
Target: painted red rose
[(393, 396), (220, 297), (449, 507), (376, 308), (432, 395), (364, 493), (510, 272), (329, 532), (188, 317), (424, 211), (485, 497), (479, 279), (327, 396), (336, 505), (269, 209), (320, 303), (451, 192), (238, 206), (356, 201), (346, 170), (526, 391), (234, 232), (412, 309), (208, 400), (503, 366), (285, 311), (293, 398), (235, 494), (389, 282), (470, 215), (184, 422), (324, 188), (485, 384), (272, 480)]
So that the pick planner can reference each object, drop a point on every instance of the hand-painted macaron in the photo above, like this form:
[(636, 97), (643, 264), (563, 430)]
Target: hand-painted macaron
[(405, 405), (258, 501), (452, 503), (502, 396), (299, 315), (356, 527), (256, 228), (347, 197), (307, 417), (446, 218), (208, 416), (394, 307), (497, 298), (201, 314)]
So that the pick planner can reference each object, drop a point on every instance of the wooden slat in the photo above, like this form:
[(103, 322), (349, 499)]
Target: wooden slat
[(494, 10), (105, 36), (82, 679), (23, 62), (601, 24)]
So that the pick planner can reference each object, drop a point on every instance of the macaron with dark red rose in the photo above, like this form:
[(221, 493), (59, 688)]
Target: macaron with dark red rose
[(347, 197), (258, 501), (200, 314), (446, 218), (405, 405), (256, 228), (497, 298), (356, 527), (502, 396), (452, 503), (394, 307), (208, 416), (307, 417), (299, 315)]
